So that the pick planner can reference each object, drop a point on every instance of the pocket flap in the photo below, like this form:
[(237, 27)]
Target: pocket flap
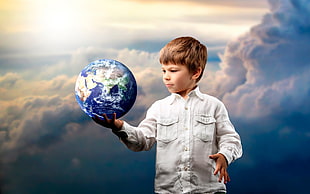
[(167, 121), (205, 119)]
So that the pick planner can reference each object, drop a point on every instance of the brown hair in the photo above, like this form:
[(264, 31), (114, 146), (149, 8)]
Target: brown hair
[(185, 51)]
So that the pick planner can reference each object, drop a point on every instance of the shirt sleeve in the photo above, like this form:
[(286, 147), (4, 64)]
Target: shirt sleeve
[(228, 139), (143, 137)]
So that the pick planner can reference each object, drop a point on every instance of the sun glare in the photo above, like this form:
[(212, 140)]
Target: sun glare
[(59, 19)]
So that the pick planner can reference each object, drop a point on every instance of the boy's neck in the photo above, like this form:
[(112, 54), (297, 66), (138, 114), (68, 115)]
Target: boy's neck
[(185, 95)]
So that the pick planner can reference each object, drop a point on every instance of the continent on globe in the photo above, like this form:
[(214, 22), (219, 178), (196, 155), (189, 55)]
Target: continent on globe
[(106, 86)]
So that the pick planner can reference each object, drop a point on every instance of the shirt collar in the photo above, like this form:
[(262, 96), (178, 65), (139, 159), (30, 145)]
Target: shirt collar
[(193, 93), (196, 92)]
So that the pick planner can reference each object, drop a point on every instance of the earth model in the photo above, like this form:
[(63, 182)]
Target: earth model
[(105, 87)]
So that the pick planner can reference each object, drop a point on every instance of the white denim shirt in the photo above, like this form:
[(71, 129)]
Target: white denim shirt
[(186, 132)]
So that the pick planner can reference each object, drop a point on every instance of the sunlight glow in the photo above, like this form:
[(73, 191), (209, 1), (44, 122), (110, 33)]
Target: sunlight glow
[(71, 23), (58, 18)]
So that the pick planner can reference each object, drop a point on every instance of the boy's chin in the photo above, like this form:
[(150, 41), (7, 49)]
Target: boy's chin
[(173, 91)]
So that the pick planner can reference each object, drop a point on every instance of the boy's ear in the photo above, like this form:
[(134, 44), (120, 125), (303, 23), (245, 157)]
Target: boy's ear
[(197, 73)]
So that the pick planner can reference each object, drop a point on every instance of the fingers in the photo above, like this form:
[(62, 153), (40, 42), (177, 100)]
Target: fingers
[(212, 156), (106, 118), (221, 176), (105, 121), (224, 175), (216, 171), (114, 117), (96, 119), (228, 178), (221, 167)]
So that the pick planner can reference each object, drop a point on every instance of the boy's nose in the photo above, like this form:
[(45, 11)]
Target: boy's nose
[(166, 76)]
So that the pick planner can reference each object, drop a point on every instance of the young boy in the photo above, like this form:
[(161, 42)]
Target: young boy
[(195, 138)]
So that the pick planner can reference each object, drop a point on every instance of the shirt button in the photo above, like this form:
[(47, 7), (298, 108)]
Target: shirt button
[(186, 108), (186, 128), (185, 168), (185, 149)]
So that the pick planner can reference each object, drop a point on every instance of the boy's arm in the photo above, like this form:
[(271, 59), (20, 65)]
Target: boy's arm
[(228, 139), (229, 143), (140, 138)]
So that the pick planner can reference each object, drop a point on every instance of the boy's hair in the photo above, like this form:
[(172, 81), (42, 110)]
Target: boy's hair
[(185, 51)]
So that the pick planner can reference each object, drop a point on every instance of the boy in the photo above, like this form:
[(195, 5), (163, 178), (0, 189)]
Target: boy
[(195, 138)]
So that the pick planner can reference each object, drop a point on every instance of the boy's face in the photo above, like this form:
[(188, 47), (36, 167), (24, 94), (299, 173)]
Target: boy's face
[(178, 79)]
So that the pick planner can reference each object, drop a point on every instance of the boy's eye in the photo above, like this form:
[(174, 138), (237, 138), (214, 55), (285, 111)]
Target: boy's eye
[(169, 70)]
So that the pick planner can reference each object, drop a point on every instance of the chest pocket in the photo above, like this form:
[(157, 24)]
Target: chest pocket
[(204, 127), (167, 129)]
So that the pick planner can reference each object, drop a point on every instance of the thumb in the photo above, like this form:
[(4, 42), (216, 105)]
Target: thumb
[(213, 156)]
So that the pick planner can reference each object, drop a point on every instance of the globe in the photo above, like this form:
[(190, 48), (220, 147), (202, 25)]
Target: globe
[(106, 86)]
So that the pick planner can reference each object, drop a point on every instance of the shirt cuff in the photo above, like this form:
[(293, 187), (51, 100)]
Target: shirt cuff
[(227, 152), (121, 133)]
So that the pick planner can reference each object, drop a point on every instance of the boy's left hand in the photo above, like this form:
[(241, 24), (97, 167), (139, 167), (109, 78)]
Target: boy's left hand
[(221, 166), (114, 124)]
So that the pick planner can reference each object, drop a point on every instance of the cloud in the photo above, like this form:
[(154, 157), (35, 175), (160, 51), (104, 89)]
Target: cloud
[(35, 113), (269, 66), (9, 80), (34, 123)]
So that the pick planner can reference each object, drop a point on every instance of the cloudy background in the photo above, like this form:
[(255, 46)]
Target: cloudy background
[(259, 65)]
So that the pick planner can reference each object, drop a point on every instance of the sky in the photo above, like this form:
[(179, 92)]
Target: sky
[(258, 65)]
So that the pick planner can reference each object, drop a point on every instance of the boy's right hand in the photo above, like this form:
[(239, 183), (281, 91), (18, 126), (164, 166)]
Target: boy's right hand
[(113, 123)]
